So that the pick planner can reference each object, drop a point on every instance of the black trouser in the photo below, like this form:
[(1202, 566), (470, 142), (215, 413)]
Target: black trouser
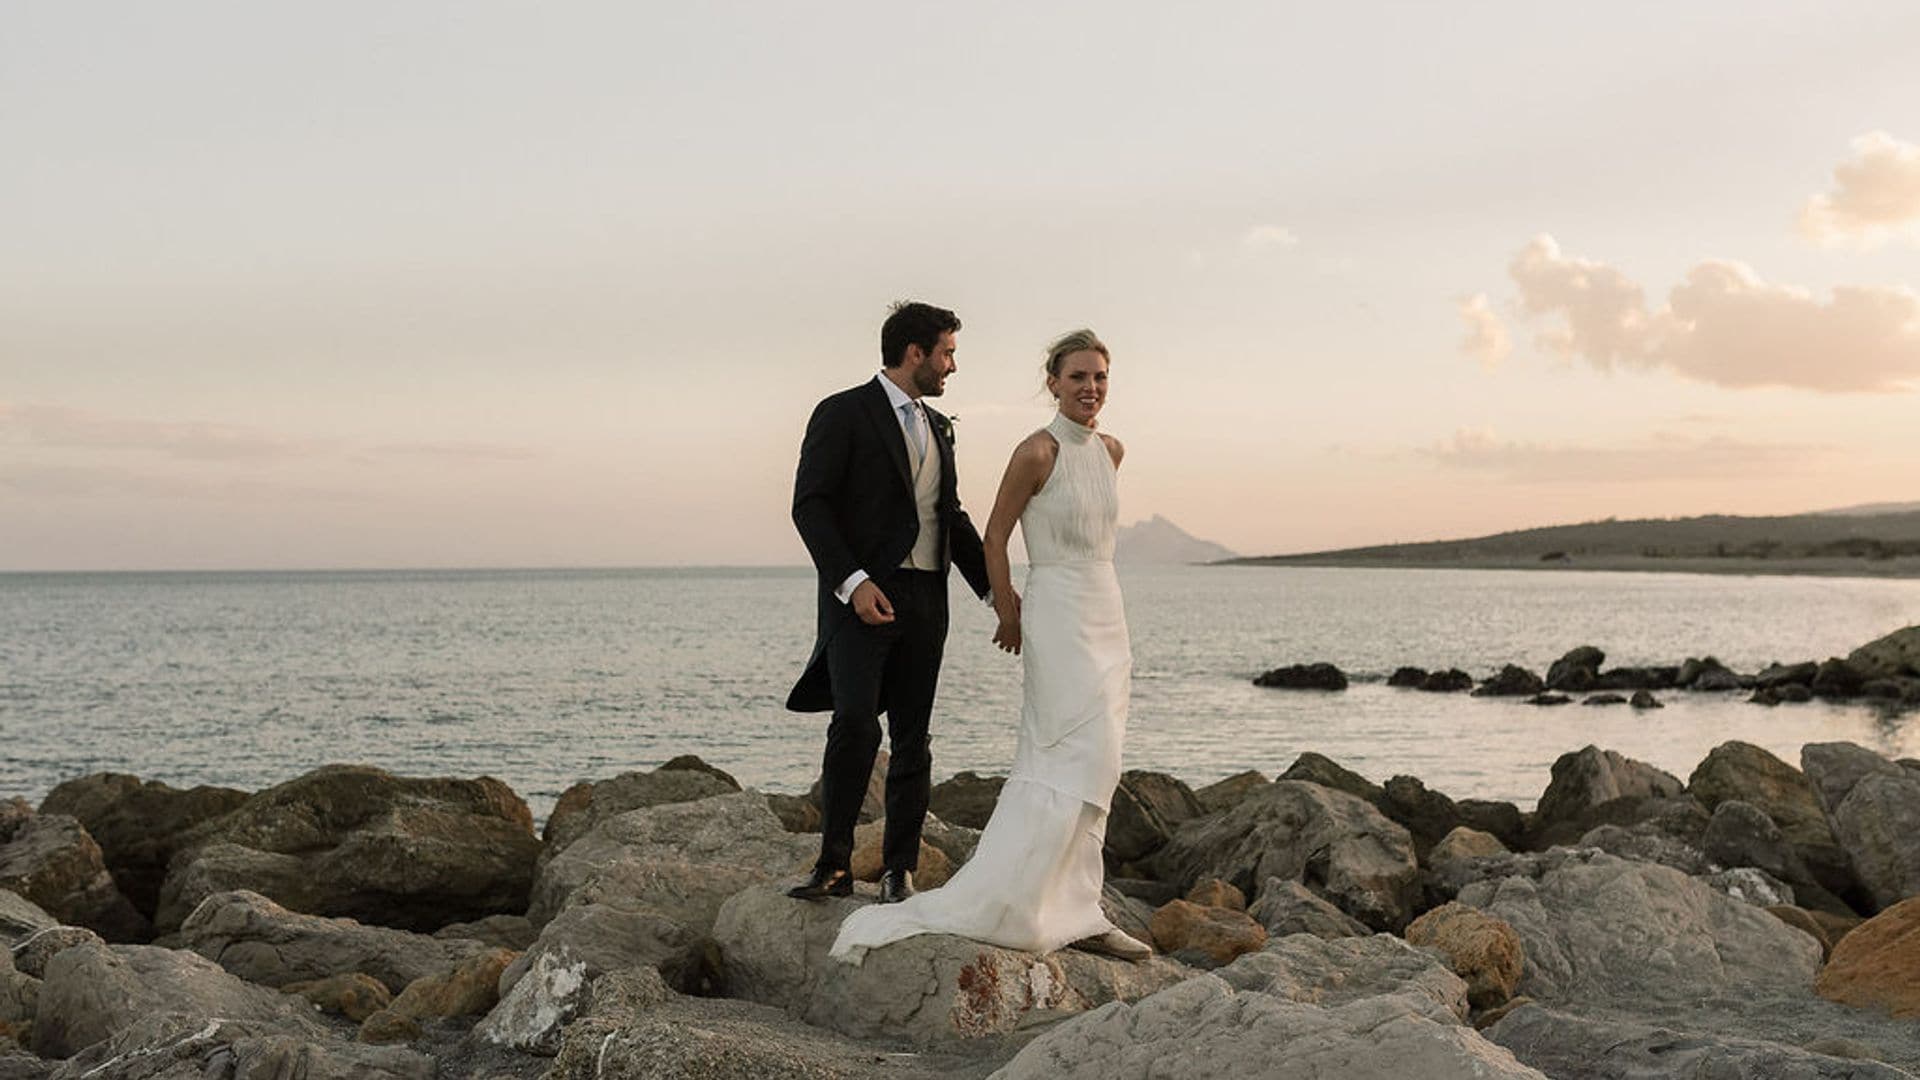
[(898, 663)]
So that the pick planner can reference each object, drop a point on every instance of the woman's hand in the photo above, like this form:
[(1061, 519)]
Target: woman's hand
[(1007, 635)]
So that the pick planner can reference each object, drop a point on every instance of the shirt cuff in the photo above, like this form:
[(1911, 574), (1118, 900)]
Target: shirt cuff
[(844, 593)]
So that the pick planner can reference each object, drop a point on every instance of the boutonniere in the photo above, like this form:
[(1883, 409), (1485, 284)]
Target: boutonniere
[(945, 424)]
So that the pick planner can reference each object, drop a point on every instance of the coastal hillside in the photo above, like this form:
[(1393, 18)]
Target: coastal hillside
[(1839, 543), (1157, 540)]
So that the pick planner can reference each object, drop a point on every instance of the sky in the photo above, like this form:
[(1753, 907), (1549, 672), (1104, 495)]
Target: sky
[(485, 284)]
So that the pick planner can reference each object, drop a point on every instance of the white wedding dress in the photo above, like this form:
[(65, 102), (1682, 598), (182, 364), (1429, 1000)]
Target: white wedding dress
[(1034, 881)]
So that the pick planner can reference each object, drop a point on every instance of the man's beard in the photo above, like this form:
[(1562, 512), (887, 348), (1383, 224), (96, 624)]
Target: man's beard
[(928, 383)]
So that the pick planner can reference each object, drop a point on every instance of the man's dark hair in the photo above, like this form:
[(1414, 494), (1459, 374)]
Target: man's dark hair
[(914, 323)]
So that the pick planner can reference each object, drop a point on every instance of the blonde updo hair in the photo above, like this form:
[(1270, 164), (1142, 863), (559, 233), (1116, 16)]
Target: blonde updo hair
[(1071, 342)]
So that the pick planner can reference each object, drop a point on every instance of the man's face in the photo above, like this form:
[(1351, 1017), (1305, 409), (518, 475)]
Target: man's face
[(930, 374)]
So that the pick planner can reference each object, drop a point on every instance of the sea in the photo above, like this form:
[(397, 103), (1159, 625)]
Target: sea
[(543, 678)]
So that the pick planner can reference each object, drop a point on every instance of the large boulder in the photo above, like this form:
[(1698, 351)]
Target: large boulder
[(1605, 929), (966, 798), (1428, 815), (681, 860), (1146, 809), (396, 851), (92, 992), (1577, 671), (1877, 965), (588, 803), (1361, 1009), (262, 942), (1874, 807), (1897, 654), (606, 938), (138, 824), (1222, 794), (1219, 934), (1574, 1047), (186, 1046), (1299, 831), (49, 860), (1587, 779), (1287, 907), (1742, 834), (470, 988), (930, 990), (1743, 771)]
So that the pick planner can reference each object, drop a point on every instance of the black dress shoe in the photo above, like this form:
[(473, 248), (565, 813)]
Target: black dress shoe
[(895, 886), (821, 884)]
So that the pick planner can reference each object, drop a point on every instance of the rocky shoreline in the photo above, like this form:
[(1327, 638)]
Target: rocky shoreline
[(1885, 672), (1756, 919)]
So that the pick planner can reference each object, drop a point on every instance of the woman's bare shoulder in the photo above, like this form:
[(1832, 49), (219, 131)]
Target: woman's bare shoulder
[(1115, 448)]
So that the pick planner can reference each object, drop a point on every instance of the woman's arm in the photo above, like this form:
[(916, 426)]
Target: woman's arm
[(1031, 464)]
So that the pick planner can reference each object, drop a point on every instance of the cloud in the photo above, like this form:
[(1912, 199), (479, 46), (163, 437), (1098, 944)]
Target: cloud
[(1723, 325), (453, 451), (57, 426), (1663, 456), (1487, 337), (1269, 236), (1875, 196)]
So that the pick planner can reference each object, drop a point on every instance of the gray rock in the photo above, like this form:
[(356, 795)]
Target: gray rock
[(931, 990), (683, 1038), (1223, 794), (1750, 774), (1873, 806), (1316, 676), (412, 853), (1587, 779), (1427, 814), (1286, 907), (534, 1012), (1571, 1047), (1577, 670), (52, 862), (1298, 831), (19, 993), (176, 1046), (606, 938), (1147, 807), (956, 842), (1750, 886), (93, 992), (1320, 769), (681, 860), (31, 953), (264, 943), (220, 868), (1132, 916), (1892, 656), (20, 916), (1204, 1028), (1511, 680), (1331, 972), (514, 932), (1502, 819), (1643, 843), (966, 798), (1741, 834), (1611, 930), (588, 803)]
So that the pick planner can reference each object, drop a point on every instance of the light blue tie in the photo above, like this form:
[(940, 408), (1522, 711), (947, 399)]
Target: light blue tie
[(909, 415)]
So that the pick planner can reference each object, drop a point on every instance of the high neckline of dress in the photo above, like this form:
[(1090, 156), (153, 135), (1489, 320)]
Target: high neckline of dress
[(1065, 429)]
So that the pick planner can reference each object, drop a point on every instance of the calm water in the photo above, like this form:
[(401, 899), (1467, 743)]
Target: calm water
[(545, 677)]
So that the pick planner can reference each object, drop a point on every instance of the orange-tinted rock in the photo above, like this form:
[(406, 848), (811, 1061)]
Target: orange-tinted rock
[(1878, 964), (354, 996), (934, 869), (1482, 949), (1216, 893), (1220, 933)]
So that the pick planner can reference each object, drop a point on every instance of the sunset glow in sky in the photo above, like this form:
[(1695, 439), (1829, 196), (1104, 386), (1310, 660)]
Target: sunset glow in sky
[(478, 284)]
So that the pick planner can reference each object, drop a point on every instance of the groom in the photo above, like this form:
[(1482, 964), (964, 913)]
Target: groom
[(875, 501)]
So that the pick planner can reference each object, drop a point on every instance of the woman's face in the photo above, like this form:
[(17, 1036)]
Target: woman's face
[(1081, 385)]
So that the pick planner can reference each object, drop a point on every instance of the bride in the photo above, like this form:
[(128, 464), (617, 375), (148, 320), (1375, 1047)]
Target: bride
[(1034, 880)]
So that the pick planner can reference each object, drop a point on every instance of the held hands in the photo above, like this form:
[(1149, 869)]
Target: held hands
[(1007, 634), (870, 604)]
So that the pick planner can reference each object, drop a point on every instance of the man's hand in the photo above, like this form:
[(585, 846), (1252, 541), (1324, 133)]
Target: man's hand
[(871, 604)]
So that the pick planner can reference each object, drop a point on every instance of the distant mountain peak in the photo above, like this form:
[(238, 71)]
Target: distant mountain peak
[(1159, 540)]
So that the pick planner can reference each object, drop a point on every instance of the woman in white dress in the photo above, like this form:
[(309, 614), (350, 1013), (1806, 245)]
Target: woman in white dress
[(1034, 880)]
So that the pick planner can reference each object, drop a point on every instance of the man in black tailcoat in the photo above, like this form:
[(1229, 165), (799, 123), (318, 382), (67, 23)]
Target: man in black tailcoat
[(876, 502)]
